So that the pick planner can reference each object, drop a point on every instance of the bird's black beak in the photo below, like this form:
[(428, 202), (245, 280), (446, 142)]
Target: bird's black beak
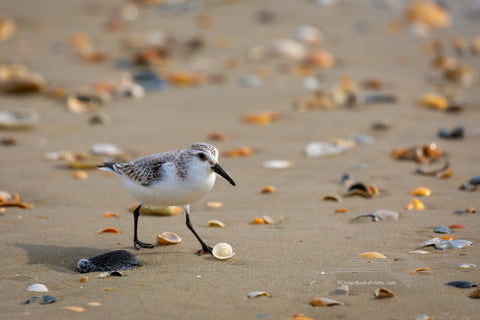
[(222, 172)]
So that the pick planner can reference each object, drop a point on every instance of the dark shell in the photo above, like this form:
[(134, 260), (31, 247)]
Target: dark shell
[(461, 284), (455, 133), (46, 299), (471, 185), (109, 261), (150, 81), (32, 299)]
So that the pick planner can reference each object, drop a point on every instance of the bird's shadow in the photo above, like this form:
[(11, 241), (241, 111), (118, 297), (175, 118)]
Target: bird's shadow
[(63, 259)]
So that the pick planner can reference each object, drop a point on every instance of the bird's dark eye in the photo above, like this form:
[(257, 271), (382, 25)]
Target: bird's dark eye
[(202, 156)]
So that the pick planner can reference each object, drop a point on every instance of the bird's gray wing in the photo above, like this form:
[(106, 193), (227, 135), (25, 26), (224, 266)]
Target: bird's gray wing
[(144, 171)]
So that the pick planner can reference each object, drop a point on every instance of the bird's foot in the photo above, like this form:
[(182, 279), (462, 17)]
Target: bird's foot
[(141, 244), (205, 250)]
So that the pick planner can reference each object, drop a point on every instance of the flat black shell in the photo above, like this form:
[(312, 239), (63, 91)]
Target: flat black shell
[(461, 284), (109, 261)]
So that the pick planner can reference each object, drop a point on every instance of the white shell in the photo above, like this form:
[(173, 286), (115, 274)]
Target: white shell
[(287, 48), (19, 118), (37, 287), (108, 149), (168, 238), (309, 35), (216, 223), (223, 251), (254, 294), (277, 164)]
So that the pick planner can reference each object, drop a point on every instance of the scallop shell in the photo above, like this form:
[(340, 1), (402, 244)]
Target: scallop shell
[(222, 251), (37, 287), (168, 238)]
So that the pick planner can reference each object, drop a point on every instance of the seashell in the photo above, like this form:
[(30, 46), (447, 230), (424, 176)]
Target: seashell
[(107, 149), (382, 124), (434, 169), (264, 117), (423, 317), (455, 133), (345, 92), (214, 204), (415, 204), (37, 287), (428, 14), (456, 226), (277, 164), (8, 28), (300, 317), (109, 215), (341, 210), (421, 191), (109, 261), (46, 299), (441, 229), (461, 284), (108, 230), (251, 81), (254, 294), (94, 304), (320, 58), (309, 35), (80, 174), (19, 119), (84, 103), (447, 173), (168, 238), (268, 189), (441, 244), (341, 291), (74, 308), (475, 294), (238, 152), (216, 223), (380, 215), (377, 97), (419, 252), (468, 210), (434, 101), (320, 302), (471, 185), (331, 197), (218, 136), (83, 279), (287, 48), (422, 269), (372, 255), (446, 237), (267, 220), (461, 74), (465, 265), (18, 79), (150, 81), (222, 251), (258, 220), (382, 293), (359, 189), (324, 149)]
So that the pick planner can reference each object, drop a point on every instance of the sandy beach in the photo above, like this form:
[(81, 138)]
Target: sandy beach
[(216, 65)]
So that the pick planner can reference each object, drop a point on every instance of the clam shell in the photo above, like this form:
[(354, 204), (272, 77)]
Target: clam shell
[(372, 255), (216, 223), (37, 287), (320, 302), (19, 119), (109, 261), (168, 238), (381, 293), (222, 251), (466, 265)]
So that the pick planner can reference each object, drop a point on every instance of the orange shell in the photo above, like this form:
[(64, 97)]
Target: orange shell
[(457, 226), (109, 215), (446, 237), (109, 230), (341, 210), (258, 220), (268, 189), (422, 269)]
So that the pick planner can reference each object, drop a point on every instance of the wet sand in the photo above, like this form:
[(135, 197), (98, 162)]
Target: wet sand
[(314, 250)]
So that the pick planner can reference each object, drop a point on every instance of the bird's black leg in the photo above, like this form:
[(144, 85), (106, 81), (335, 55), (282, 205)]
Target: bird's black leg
[(136, 213), (205, 248)]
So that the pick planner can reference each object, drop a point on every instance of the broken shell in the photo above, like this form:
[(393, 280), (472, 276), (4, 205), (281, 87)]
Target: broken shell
[(421, 191), (433, 169), (441, 229), (287, 48), (372, 255), (341, 210), (8, 27), (109, 261), (222, 251), (341, 291), (19, 119), (381, 293), (422, 269), (277, 164), (461, 284), (331, 197), (308, 34), (441, 244), (475, 294), (471, 185), (254, 294), (466, 265), (218, 136), (80, 175), (268, 189), (325, 149), (380, 215), (320, 302), (428, 14), (37, 287), (468, 210), (108, 230), (415, 204), (168, 238), (216, 223)]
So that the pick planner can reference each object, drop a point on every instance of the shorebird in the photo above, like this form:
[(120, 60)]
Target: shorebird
[(174, 178)]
